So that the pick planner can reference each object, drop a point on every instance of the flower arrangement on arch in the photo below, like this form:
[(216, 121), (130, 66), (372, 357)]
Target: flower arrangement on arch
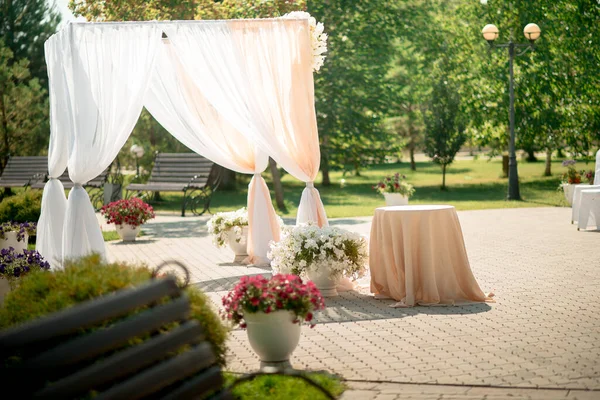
[(15, 265), (307, 247), (256, 294), (395, 184), (133, 212), (22, 229), (317, 37)]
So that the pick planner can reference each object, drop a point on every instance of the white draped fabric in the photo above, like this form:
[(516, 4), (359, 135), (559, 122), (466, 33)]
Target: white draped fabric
[(258, 75), (178, 105), (54, 203), (597, 169), (106, 70), (233, 91)]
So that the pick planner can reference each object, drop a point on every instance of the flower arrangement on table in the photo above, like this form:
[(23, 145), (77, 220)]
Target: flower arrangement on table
[(257, 294), (133, 212), (308, 248), (573, 176), (22, 229), (395, 184), (222, 223), (14, 264), (317, 37)]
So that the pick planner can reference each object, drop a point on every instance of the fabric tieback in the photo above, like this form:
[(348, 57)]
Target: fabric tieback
[(310, 185)]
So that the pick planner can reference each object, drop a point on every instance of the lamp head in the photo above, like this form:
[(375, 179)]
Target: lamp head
[(490, 33), (532, 32), (136, 150)]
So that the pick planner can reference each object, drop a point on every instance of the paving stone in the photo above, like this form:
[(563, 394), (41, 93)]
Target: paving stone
[(543, 331)]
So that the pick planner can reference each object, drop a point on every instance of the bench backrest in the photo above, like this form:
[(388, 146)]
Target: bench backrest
[(65, 349), (21, 170), (181, 168)]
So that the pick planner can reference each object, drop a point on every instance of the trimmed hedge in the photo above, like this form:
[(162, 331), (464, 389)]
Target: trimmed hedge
[(40, 293), (22, 207)]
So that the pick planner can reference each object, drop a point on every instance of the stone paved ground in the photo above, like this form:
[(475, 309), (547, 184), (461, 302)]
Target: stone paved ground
[(540, 340)]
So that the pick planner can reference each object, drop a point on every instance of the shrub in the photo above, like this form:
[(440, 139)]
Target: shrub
[(22, 207), (40, 293)]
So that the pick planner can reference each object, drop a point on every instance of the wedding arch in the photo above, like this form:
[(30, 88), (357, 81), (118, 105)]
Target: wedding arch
[(234, 91)]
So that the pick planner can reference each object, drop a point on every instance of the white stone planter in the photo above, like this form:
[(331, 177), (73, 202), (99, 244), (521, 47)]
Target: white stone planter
[(273, 337), (127, 233), (324, 282), (569, 190), (240, 249), (395, 199), (10, 240), (4, 289)]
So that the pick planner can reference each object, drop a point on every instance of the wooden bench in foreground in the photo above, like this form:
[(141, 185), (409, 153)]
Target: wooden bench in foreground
[(190, 173), (82, 350)]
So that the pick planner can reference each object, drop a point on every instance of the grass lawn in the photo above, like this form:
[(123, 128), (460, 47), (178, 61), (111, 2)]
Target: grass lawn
[(472, 184)]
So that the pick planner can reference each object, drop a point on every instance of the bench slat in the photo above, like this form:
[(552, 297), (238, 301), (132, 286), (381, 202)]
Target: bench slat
[(162, 375), (87, 314), (209, 380), (103, 340)]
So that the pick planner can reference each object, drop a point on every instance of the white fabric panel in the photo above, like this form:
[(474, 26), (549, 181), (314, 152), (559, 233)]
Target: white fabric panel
[(597, 171), (54, 202), (258, 75), (180, 108), (107, 75)]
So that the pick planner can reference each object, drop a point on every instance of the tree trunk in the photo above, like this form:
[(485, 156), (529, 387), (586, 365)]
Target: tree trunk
[(6, 152), (531, 155), (228, 179), (277, 185), (548, 170), (443, 176), (413, 164), (325, 170)]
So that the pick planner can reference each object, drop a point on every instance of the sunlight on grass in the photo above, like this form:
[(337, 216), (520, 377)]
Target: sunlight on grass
[(113, 235), (472, 185)]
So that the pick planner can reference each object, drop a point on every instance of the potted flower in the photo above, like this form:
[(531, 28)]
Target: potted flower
[(14, 264), (272, 311), (16, 235), (324, 255), (128, 215), (569, 179), (395, 189), (231, 228)]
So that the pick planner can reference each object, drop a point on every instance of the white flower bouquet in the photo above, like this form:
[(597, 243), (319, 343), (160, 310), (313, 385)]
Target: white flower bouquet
[(307, 247), (220, 225), (317, 36)]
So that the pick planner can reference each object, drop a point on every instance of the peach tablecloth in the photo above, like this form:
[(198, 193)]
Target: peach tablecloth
[(418, 256)]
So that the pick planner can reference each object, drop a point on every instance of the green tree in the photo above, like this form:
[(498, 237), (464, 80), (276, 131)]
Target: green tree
[(353, 94), (24, 26), (23, 109), (445, 132)]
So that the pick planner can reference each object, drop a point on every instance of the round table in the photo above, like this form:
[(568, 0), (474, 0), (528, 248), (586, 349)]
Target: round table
[(418, 256)]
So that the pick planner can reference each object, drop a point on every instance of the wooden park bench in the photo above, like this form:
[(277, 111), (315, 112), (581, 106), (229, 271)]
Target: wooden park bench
[(95, 186), (190, 173), (82, 350), (23, 171)]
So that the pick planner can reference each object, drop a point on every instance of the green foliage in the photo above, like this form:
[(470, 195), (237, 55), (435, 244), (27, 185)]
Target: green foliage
[(41, 293), (284, 388), (24, 26), (445, 129), (22, 207), (23, 109), (352, 93)]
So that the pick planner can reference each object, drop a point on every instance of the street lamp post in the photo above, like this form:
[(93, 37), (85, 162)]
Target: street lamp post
[(490, 33), (138, 152)]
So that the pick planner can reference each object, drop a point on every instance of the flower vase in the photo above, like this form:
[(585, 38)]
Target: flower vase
[(395, 199), (4, 289), (240, 249), (127, 233), (323, 280), (569, 190), (10, 240), (273, 338)]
